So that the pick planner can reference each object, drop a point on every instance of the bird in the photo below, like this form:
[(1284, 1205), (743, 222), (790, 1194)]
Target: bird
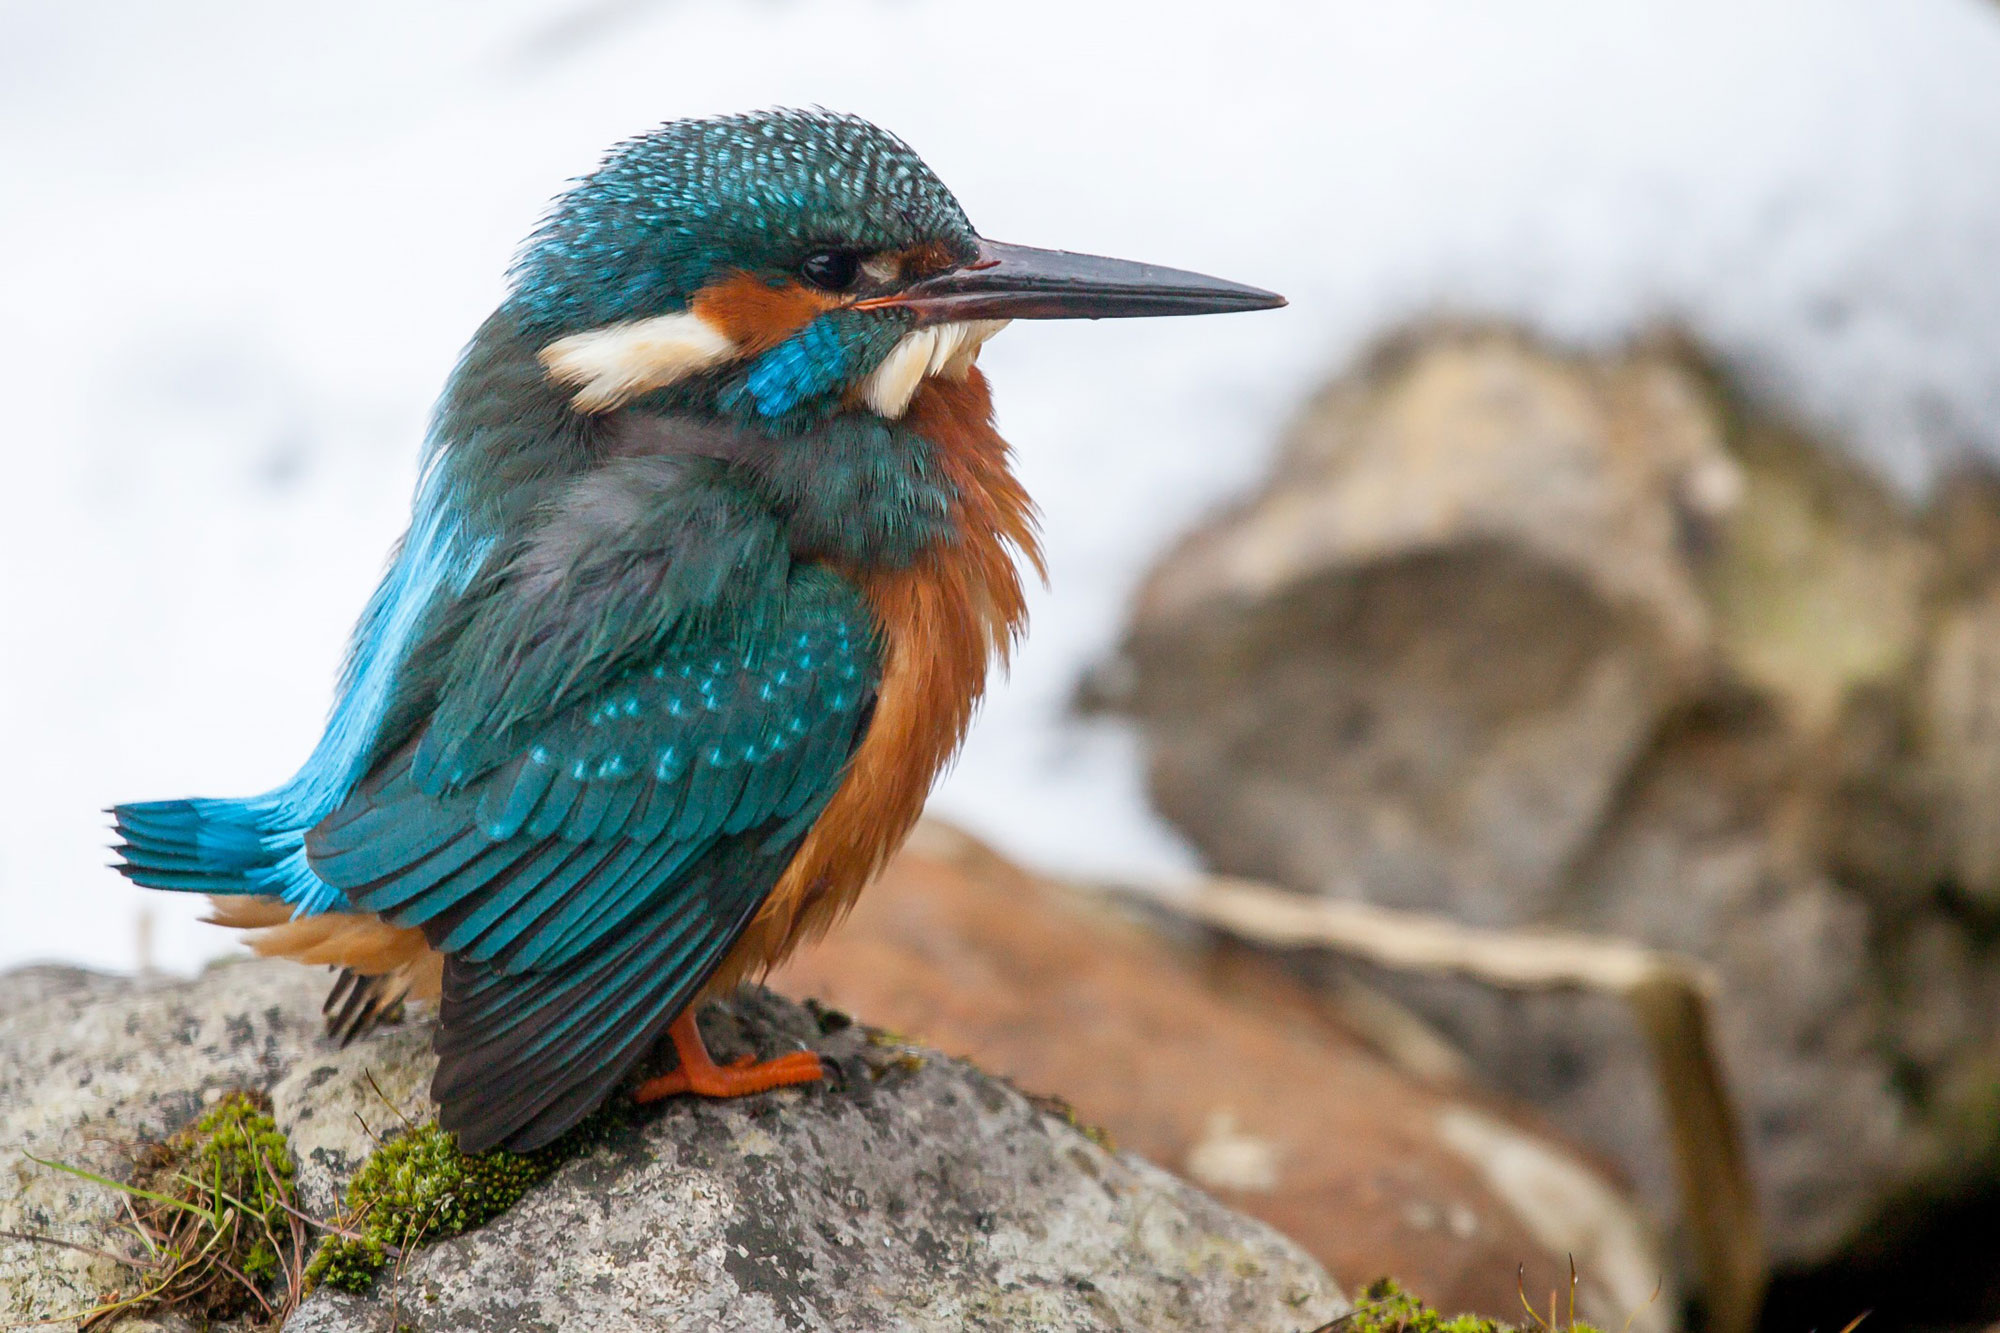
[(713, 547)]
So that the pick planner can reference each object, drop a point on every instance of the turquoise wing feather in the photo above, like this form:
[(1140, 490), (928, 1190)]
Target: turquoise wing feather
[(585, 867)]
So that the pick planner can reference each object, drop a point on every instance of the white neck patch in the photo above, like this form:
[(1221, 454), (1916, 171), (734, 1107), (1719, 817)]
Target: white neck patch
[(611, 366), (937, 349)]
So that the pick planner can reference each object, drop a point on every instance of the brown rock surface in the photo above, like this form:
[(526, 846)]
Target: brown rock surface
[(1215, 1065)]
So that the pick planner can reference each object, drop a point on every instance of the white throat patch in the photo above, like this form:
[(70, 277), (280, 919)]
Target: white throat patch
[(939, 349)]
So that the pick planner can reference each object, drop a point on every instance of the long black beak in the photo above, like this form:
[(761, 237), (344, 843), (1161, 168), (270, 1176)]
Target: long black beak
[(1021, 282)]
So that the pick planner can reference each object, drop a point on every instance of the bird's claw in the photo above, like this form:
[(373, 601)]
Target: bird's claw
[(739, 1078)]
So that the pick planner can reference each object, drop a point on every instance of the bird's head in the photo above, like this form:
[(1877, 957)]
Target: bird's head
[(777, 266)]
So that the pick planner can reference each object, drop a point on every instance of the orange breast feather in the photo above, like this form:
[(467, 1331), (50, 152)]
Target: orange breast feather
[(945, 621)]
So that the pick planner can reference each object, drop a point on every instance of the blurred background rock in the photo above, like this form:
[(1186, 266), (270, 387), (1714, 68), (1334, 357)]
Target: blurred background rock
[(1528, 638), (1630, 563)]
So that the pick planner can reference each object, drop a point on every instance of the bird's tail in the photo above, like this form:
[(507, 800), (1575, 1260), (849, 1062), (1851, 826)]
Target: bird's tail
[(256, 845), (224, 847)]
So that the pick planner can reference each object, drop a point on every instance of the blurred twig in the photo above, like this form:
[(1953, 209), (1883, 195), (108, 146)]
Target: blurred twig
[(1669, 998)]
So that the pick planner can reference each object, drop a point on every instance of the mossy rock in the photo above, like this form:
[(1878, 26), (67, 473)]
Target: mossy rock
[(1384, 1307), (912, 1192), (419, 1188)]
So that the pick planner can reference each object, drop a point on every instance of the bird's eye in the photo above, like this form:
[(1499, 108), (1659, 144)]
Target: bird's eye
[(831, 270)]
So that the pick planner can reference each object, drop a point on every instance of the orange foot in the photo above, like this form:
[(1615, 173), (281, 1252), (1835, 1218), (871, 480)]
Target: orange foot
[(703, 1077)]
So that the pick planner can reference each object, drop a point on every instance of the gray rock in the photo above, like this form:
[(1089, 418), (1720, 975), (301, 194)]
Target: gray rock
[(1696, 859), (335, 1106), (1417, 667), (1530, 639), (92, 1066), (910, 1192)]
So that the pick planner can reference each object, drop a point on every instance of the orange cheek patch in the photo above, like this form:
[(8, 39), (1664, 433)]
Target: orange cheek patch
[(755, 314)]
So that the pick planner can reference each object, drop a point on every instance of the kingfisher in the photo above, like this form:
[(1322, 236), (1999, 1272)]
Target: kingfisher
[(713, 546)]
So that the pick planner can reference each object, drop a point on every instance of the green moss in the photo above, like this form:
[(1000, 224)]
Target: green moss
[(418, 1187), (1385, 1307), (235, 1155), (1050, 1104), (906, 1059), (212, 1207)]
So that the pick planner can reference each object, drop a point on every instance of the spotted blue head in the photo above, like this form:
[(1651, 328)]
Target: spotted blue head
[(775, 266)]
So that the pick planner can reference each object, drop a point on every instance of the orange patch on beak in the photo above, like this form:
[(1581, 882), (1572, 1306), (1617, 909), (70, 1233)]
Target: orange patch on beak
[(755, 314)]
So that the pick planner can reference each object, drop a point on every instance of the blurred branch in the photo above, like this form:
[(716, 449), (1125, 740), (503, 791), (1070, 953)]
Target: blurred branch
[(1669, 998), (1417, 942)]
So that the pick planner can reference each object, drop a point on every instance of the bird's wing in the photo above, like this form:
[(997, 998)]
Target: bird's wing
[(586, 865)]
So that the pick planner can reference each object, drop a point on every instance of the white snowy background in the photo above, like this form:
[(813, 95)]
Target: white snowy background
[(241, 242)]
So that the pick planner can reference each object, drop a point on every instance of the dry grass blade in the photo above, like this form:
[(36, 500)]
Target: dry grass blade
[(1633, 1317), (130, 1190), (383, 1097), (210, 1213), (92, 1250), (1521, 1289)]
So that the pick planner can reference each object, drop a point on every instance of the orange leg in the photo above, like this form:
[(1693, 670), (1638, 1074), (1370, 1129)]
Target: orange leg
[(703, 1077)]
